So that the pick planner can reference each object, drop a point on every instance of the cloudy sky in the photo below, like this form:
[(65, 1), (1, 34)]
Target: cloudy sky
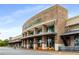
[(12, 16)]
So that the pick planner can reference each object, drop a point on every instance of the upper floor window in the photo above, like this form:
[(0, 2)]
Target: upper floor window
[(39, 31), (31, 33), (35, 21), (77, 41), (51, 29)]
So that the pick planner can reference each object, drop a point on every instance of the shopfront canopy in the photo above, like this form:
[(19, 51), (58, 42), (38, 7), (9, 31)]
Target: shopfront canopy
[(71, 33)]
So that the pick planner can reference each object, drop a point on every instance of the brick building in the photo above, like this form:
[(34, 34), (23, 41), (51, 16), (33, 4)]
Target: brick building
[(50, 29)]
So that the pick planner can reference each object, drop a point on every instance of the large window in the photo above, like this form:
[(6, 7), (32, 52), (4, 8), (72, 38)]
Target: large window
[(50, 42), (35, 21), (39, 41), (77, 41), (31, 33), (51, 29), (39, 31)]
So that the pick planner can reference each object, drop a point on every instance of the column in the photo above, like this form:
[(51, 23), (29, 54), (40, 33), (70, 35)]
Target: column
[(35, 30), (35, 44), (58, 42), (17, 45), (44, 42), (72, 43), (24, 34), (44, 38), (27, 33), (44, 28), (28, 44), (22, 44)]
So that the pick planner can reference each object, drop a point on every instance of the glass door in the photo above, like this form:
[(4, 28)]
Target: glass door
[(50, 43)]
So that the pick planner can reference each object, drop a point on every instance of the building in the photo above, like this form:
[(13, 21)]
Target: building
[(50, 29), (15, 41), (71, 35)]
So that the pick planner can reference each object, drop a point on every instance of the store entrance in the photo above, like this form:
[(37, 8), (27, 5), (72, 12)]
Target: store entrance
[(50, 42), (31, 43), (40, 42)]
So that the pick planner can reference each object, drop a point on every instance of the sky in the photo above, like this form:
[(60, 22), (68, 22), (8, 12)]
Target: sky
[(13, 16)]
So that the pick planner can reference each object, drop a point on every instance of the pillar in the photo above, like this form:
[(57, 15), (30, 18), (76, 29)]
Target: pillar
[(28, 44), (60, 14), (35, 30), (27, 33), (35, 43), (22, 44), (44, 28), (58, 42), (24, 41), (44, 42), (72, 42), (44, 38)]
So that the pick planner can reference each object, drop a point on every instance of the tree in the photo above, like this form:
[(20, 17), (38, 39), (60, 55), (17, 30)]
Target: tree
[(4, 42)]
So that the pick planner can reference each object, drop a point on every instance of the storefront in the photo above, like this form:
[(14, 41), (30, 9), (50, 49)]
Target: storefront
[(71, 40)]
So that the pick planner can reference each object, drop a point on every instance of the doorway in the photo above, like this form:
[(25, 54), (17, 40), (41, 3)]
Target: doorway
[(50, 42), (39, 42), (31, 43)]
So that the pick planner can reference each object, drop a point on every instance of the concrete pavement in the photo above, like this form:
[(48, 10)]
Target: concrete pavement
[(19, 51)]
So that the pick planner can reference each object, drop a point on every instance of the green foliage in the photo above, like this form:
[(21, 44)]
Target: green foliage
[(4, 42)]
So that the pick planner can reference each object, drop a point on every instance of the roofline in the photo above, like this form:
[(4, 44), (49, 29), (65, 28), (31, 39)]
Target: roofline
[(43, 11), (73, 18)]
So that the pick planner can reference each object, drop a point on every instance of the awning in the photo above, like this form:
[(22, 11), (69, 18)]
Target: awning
[(41, 34), (71, 33), (15, 41)]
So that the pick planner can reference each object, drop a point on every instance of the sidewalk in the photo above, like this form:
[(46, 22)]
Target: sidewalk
[(60, 52), (55, 52)]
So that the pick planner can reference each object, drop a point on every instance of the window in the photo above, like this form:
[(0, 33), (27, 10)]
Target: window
[(77, 41), (36, 21), (50, 42), (51, 29), (39, 31), (31, 33), (40, 42)]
